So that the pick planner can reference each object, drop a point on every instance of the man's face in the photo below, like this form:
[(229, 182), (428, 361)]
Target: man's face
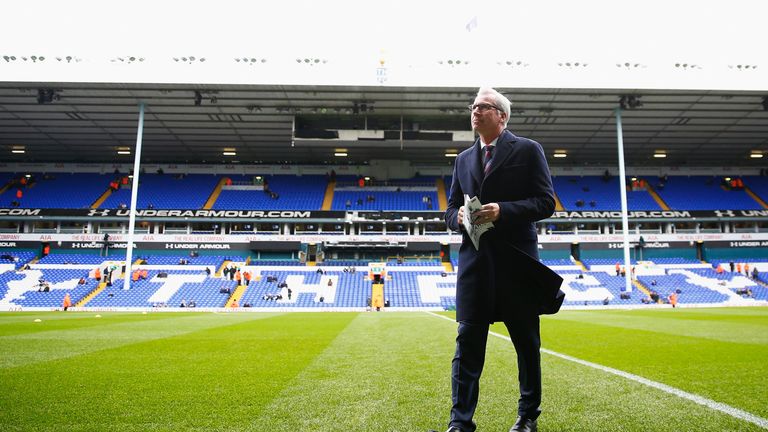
[(486, 118)]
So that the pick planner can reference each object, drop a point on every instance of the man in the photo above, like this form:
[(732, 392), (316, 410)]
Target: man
[(503, 280)]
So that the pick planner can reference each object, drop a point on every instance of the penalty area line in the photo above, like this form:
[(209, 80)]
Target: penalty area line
[(709, 403)]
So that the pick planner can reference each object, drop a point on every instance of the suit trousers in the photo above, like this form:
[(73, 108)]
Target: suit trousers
[(467, 366)]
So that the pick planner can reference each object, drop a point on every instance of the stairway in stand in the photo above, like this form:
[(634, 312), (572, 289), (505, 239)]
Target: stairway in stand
[(328, 198), (639, 285), (237, 295), (99, 288)]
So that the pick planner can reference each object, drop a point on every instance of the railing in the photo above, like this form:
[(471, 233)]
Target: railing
[(175, 231), (78, 230), (651, 231), (586, 231), (116, 230), (44, 230), (745, 230)]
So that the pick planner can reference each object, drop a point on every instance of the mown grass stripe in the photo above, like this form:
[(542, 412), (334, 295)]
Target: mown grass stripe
[(718, 406), (676, 323), (116, 331), (385, 372), (214, 378)]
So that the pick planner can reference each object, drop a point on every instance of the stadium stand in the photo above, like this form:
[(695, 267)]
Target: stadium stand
[(416, 282), (406, 286), (16, 257), (293, 193), (74, 258), (163, 191), (384, 200), (28, 290), (758, 185), (595, 193), (60, 190), (704, 193)]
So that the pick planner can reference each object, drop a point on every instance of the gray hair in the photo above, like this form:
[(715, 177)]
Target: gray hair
[(499, 99)]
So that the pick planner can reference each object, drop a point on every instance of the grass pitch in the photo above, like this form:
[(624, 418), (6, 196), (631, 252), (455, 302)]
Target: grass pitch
[(369, 371)]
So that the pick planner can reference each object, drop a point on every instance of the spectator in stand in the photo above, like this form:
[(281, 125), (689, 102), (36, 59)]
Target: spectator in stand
[(746, 269), (67, 302), (719, 269), (673, 299), (755, 273), (732, 265)]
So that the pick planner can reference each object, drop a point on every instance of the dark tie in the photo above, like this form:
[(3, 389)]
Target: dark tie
[(487, 159)]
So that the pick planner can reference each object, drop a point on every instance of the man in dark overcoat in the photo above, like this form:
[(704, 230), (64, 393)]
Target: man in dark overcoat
[(503, 279)]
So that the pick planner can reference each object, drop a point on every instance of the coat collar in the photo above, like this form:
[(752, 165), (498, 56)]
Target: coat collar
[(503, 149), (501, 152)]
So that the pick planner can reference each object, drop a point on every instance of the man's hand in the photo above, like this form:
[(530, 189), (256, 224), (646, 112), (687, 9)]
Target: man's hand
[(488, 213)]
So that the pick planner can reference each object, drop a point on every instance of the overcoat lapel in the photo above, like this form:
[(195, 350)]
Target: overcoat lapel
[(476, 169), (503, 149)]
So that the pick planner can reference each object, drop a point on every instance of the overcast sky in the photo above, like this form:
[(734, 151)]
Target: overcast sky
[(406, 31), (654, 28)]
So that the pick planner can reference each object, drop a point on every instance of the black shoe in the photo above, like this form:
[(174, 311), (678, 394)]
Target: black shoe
[(450, 429), (524, 425)]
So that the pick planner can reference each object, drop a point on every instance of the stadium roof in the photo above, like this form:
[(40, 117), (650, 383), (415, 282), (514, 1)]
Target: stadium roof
[(301, 124)]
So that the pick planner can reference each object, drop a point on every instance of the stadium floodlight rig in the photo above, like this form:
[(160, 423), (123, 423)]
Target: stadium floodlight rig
[(630, 102), (47, 95)]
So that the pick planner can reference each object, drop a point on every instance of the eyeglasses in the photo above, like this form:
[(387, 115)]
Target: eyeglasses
[(482, 107)]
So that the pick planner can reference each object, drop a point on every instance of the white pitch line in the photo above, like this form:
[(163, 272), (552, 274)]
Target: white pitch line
[(709, 403)]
